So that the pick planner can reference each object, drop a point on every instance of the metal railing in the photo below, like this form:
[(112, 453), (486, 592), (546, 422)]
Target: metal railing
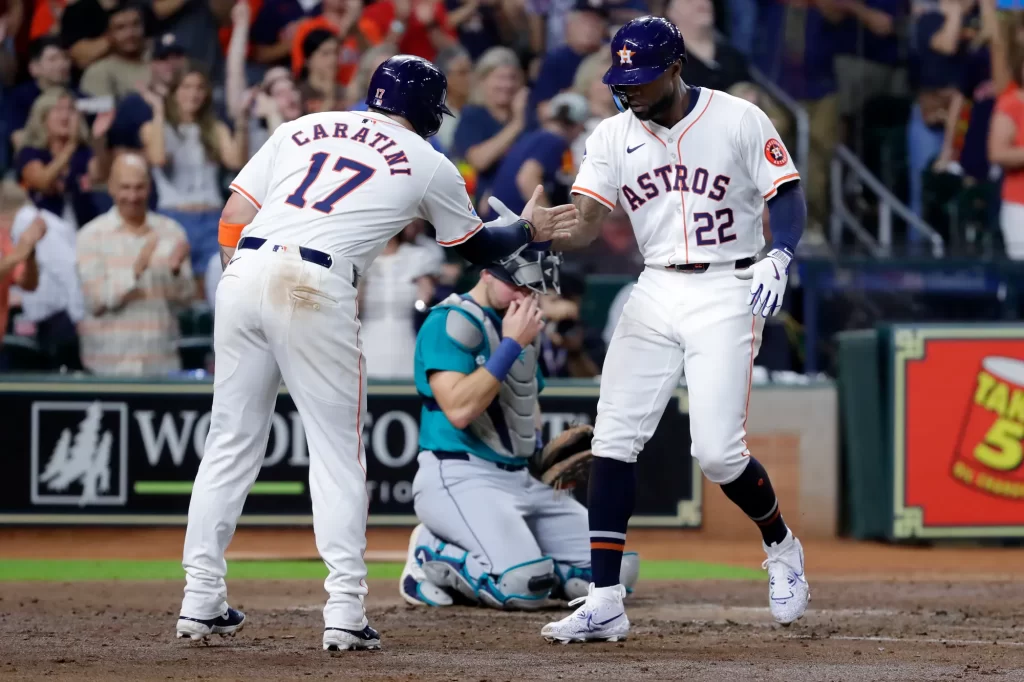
[(888, 204), (799, 114)]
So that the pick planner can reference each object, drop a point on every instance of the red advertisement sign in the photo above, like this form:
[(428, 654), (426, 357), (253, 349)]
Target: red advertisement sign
[(960, 460)]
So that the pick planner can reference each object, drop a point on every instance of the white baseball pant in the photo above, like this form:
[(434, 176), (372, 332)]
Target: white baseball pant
[(278, 316), (674, 321)]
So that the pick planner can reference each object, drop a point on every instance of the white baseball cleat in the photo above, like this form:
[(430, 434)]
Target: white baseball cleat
[(601, 618), (414, 586), (339, 639), (788, 591)]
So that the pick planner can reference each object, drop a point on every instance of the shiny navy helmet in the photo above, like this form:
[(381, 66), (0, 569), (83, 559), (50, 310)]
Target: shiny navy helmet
[(530, 267), (643, 49), (413, 88)]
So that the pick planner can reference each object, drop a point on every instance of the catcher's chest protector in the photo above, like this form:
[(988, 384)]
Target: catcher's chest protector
[(506, 426)]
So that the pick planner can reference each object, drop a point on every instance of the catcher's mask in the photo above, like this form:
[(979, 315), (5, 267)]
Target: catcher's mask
[(531, 268)]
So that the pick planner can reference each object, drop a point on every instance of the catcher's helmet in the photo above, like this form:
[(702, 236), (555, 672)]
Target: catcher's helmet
[(533, 268), (642, 50), (413, 88)]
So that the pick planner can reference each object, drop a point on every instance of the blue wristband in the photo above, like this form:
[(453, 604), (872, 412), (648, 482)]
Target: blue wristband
[(502, 359)]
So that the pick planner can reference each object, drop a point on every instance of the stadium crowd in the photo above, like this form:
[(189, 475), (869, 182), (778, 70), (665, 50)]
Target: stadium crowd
[(124, 122)]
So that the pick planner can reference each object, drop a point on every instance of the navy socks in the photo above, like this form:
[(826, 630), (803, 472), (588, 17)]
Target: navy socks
[(610, 498), (753, 493)]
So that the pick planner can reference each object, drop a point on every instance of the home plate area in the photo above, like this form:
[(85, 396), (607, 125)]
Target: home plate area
[(864, 630)]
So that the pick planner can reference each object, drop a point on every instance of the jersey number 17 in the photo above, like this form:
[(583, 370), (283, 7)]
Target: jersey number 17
[(316, 165)]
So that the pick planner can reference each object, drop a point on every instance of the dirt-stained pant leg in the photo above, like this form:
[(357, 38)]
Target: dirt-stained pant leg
[(309, 313), (245, 390)]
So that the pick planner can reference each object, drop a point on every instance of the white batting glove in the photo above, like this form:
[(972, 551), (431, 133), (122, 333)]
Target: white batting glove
[(506, 216), (768, 282)]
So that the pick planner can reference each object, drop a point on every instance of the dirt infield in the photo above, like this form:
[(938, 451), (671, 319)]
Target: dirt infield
[(877, 613)]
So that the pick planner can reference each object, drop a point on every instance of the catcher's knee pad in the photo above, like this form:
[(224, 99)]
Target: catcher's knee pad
[(574, 581), (447, 566), (525, 586)]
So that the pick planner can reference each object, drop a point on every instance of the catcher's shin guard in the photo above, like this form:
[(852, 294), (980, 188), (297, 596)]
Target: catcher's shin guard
[(574, 581)]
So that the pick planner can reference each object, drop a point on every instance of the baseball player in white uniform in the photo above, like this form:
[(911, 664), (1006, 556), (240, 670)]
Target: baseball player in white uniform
[(310, 212), (693, 168)]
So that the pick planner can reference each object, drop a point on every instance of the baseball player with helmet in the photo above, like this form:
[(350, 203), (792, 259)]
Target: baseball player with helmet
[(693, 169), (308, 214), (493, 530)]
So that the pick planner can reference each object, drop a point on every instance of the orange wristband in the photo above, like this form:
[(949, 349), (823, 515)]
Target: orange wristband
[(228, 234)]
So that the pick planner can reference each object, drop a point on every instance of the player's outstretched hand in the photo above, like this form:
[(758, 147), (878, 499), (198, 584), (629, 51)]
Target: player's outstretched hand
[(523, 321), (768, 279), (547, 221)]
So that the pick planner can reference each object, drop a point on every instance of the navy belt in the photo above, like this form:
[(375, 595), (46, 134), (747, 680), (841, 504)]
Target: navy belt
[(309, 255), (697, 268), (464, 457)]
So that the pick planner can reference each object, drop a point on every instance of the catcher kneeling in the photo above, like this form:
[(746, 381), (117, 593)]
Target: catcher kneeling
[(496, 527)]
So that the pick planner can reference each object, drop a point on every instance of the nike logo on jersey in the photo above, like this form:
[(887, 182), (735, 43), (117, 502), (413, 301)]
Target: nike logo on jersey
[(677, 178), (630, 150)]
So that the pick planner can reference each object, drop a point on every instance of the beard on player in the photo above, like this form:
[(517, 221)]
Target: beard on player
[(653, 101)]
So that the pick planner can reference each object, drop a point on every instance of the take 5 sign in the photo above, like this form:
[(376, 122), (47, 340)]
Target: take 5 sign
[(958, 431)]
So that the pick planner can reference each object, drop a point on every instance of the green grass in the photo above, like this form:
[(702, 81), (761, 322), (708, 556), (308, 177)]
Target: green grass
[(80, 570)]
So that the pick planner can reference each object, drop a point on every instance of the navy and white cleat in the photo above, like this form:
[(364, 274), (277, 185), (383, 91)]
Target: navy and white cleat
[(602, 618), (197, 629), (338, 639)]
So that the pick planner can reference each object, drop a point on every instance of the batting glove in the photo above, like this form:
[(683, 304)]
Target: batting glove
[(768, 282), (506, 216)]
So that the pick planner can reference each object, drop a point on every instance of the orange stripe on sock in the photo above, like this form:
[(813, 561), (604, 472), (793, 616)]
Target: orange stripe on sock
[(607, 545)]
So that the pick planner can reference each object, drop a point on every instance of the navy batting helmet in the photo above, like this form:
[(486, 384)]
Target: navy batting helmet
[(642, 50), (533, 268), (413, 88)]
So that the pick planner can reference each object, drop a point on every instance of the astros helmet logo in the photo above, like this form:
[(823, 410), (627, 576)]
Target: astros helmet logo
[(625, 55)]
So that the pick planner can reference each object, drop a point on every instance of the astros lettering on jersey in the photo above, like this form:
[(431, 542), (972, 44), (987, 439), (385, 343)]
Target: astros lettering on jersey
[(693, 195)]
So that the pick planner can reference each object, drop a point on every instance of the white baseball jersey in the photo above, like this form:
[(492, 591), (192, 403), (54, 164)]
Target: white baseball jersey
[(346, 182), (695, 192)]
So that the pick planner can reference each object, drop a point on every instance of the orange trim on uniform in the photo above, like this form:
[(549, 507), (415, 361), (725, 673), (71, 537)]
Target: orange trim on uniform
[(463, 238), (653, 134), (780, 181), (228, 234), (607, 545), (595, 195), (679, 153), (251, 198), (770, 520)]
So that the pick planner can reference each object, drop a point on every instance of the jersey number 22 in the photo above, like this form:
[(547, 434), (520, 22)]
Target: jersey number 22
[(316, 165)]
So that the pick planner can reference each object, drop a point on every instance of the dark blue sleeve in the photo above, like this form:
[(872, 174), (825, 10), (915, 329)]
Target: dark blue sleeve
[(28, 155), (493, 243), (470, 131), (787, 216), (927, 26)]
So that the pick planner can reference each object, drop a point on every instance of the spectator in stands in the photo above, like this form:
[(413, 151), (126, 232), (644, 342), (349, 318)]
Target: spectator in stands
[(417, 27), (368, 63), (83, 30), (17, 258), (274, 28), (586, 29), (318, 77), (49, 67), (599, 102), (399, 283), (481, 24), (869, 64), (495, 119), (57, 165), (187, 147), (352, 33), (797, 50), (194, 24), (568, 349), (56, 305), (711, 63), (543, 157), (457, 66), (940, 37), (1006, 137), (135, 272), (166, 65), (125, 65), (985, 77)]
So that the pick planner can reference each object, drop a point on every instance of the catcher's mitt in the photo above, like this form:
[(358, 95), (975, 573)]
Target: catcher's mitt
[(565, 461)]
